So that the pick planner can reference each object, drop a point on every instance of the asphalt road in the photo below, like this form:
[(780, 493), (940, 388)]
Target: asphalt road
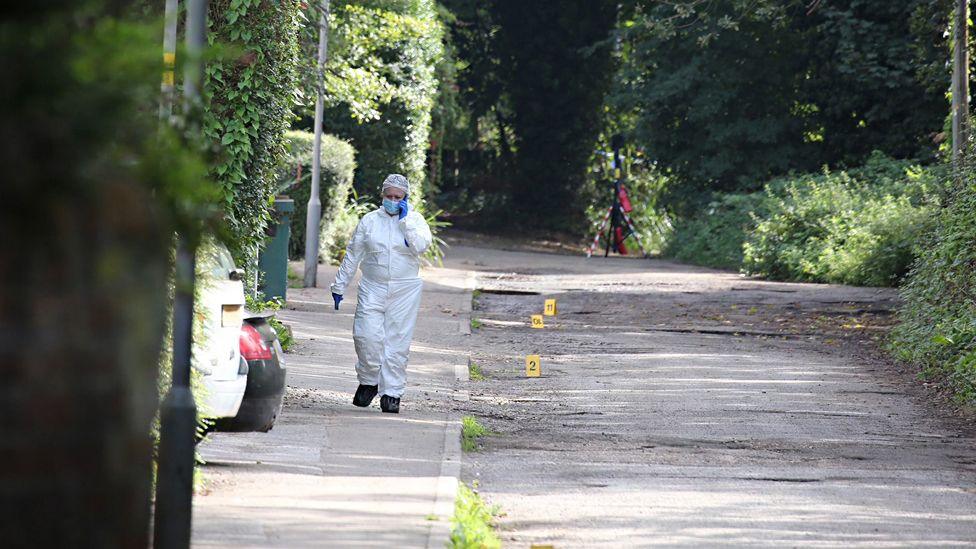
[(687, 407)]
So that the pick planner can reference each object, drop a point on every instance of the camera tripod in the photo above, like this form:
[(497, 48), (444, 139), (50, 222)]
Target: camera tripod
[(621, 225)]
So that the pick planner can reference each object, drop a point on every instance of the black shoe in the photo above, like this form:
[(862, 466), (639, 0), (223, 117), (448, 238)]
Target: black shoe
[(390, 405), (365, 395)]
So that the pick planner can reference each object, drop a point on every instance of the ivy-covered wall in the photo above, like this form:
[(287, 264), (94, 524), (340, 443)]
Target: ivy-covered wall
[(250, 92)]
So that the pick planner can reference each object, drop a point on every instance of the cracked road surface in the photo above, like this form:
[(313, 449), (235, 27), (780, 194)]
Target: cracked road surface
[(684, 406)]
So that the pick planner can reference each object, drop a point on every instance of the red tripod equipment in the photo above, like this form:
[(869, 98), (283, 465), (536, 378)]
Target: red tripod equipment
[(620, 224)]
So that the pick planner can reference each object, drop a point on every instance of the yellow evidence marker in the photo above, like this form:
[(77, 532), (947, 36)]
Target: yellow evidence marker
[(537, 321), (533, 366), (550, 309)]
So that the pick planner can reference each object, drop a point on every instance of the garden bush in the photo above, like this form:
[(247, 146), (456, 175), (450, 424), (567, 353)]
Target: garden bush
[(861, 226), (937, 329), (338, 161), (858, 227)]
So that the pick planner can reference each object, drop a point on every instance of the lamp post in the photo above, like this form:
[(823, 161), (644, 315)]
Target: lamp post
[(314, 210), (168, 86), (178, 415)]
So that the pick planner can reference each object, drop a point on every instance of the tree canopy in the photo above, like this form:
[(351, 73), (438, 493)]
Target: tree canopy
[(744, 95)]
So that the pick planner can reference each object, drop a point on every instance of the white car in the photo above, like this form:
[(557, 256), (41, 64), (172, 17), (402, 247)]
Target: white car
[(216, 347)]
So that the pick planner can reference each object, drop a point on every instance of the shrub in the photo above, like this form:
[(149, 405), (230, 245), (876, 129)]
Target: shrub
[(344, 225), (856, 227), (938, 318), (338, 161), (715, 238)]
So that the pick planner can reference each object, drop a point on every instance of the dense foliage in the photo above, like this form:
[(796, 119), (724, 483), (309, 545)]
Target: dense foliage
[(250, 92), (861, 226), (93, 190), (747, 93), (531, 78), (857, 227), (555, 59), (938, 319), (714, 236), (380, 84), (338, 162)]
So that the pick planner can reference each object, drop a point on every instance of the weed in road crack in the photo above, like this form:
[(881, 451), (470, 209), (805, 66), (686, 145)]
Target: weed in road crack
[(475, 373), (471, 430)]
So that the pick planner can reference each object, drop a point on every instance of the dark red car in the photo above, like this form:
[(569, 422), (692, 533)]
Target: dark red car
[(265, 377)]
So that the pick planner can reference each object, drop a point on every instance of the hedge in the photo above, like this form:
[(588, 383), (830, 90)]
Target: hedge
[(338, 160)]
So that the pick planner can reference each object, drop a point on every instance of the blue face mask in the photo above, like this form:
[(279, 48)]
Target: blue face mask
[(391, 207)]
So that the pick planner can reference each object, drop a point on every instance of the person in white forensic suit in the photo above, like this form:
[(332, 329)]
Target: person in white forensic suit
[(386, 246)]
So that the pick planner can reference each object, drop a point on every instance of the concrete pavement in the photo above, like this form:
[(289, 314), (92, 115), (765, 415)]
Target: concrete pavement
[(333, 475)]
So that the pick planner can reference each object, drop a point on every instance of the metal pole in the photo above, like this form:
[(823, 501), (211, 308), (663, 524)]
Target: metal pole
[(314, 212), (616, 143), (960, 83), (174, 480), (167, 88)]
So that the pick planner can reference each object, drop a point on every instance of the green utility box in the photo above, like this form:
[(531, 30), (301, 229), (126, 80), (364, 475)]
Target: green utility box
[(273, 260)]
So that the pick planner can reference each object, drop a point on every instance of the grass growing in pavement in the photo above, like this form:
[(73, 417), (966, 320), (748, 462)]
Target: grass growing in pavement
[(295, 280), (475, 323), (471, 430), (475, 373), (473, 523)]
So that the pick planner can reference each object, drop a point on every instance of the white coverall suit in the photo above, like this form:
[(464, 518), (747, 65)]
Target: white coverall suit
[(389, 294)]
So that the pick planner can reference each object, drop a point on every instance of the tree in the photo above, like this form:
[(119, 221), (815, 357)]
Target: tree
[(557, 68), (888, 61), (380, 83), (713, 100), (745, 91), (93, 192)]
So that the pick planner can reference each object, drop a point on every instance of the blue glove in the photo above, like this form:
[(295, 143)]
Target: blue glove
[(337, 298), (404, 209)]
